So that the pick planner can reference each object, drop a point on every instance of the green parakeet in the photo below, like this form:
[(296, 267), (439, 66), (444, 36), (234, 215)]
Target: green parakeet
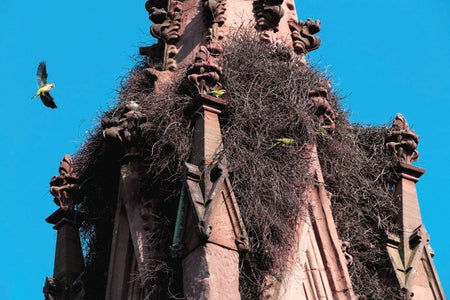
[(282, 142), (217, 93), (323, 132), (43, 87)]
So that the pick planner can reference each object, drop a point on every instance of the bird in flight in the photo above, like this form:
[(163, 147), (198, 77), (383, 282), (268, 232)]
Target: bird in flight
[(43, 87)]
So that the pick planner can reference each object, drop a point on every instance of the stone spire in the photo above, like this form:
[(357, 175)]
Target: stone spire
[(182, 28), (190, 37), (409, 250)]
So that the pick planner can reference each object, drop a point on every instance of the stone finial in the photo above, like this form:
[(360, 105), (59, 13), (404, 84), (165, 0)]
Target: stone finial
[(302, 35), (204, 73), (125, 127), (402, 141), (63, 186), (319, 98)]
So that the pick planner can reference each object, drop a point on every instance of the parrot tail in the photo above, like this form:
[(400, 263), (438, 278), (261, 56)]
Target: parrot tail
[(274, 145)]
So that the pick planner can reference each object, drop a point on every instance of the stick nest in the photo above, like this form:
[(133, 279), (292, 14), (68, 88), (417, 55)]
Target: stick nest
[(267, 89)]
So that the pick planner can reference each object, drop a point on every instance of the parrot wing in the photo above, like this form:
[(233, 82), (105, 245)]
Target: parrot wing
[(41, 75), (47, 99), (274, 145)]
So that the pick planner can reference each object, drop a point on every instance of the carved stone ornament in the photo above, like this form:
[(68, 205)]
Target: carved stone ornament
[(168, 30), (402, 141), (204, 73), (406, 294), (319, 98), (51, 290), (345, 246), (203, 191), (214, 11), (126, 127), (166, 17), (302, 35), (268, 14), (214, 20), (64, 186), (157, 9)]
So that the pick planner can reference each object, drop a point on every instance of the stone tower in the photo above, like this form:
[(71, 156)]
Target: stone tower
[(125, 205)]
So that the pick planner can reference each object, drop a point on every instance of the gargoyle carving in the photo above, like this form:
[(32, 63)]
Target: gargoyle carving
[(167, 20), (64, 186), (268, 14), (204, 73), (402, 141), (157, 15), (215, 35), (302, 35), (168, 30), (214, 11), (126, 126), (214, 19), (319, 98), (152, 5)]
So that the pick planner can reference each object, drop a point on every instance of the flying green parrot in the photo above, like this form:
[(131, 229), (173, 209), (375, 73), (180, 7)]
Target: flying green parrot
[(217, 93), (281, 141), (43, 87)]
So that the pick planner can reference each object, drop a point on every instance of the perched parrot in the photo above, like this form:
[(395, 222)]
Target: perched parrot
[(217, 93), (281, 141), (323, 132), (43, 87)]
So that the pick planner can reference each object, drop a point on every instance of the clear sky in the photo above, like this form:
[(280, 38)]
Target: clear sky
[(386, 56)]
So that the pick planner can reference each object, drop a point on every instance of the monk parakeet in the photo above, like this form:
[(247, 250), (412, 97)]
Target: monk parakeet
[(217, 93), (44, 87), (323, 132), (281, 141)]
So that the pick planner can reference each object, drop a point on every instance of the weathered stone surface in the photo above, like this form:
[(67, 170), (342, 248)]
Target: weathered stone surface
[(187, 25), (69, 262), (214, 230), (211, 272), (410, 252), (318, 265)]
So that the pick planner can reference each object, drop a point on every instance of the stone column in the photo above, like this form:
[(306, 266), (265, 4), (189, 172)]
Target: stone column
[(129, 252), (213, 230), (409, 249), (69, 264)]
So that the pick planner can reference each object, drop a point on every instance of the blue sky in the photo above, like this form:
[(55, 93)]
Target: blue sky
[(387, 56)]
